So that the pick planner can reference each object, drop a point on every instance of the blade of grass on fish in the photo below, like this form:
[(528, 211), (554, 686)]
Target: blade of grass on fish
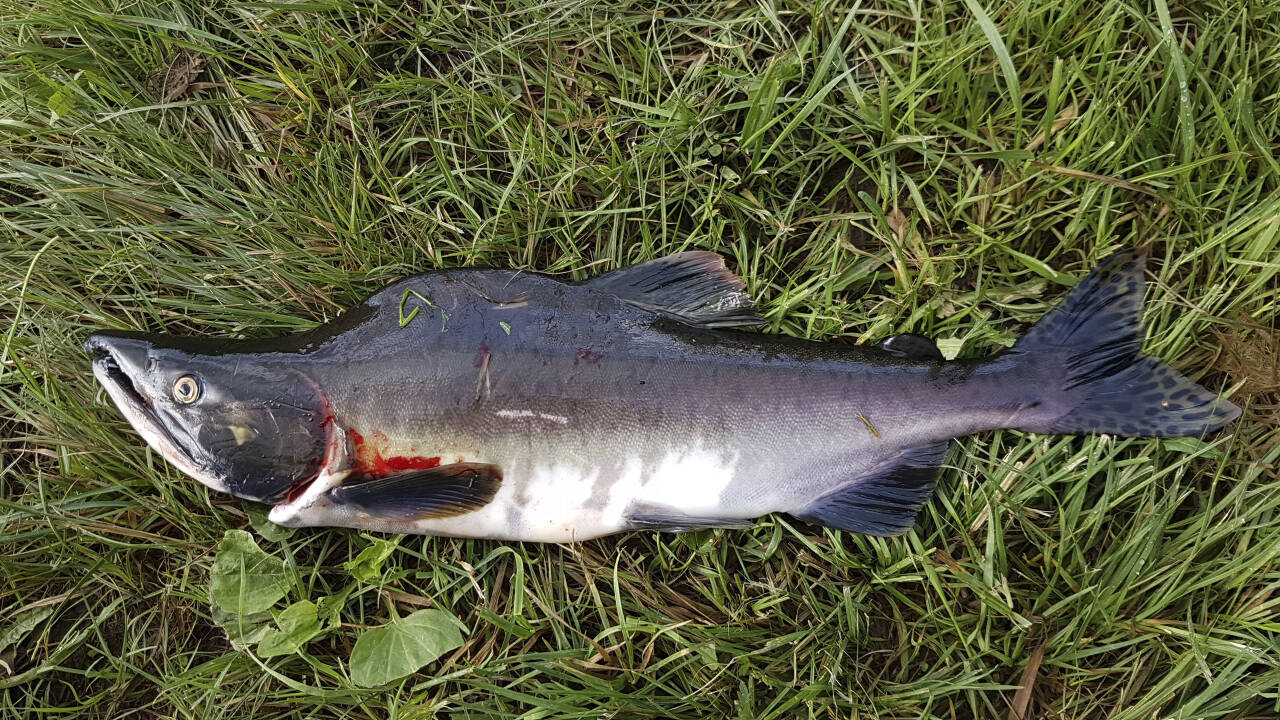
[(406, 319)]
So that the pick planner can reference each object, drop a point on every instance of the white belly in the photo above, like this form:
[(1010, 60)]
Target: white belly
[(565, 499)]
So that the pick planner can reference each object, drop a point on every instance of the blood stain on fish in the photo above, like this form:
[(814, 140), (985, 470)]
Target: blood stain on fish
[(374, 463), (400, 463)]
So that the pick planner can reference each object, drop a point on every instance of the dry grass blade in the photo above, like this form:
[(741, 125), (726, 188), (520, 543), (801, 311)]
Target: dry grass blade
[(1095, 177), (1027, 684)]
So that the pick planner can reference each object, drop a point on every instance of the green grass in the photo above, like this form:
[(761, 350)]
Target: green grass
[(939, 167)]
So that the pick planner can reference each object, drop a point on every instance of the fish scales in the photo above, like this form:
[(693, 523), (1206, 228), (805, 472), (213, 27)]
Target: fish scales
[(502, 404)]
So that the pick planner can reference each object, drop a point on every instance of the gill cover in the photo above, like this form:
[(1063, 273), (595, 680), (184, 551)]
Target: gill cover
[(239, 421)]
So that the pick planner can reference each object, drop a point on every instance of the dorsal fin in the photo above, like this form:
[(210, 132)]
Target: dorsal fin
[(693, 286), (911, 347)]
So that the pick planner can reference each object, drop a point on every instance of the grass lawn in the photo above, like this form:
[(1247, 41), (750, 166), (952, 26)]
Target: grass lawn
[(947, 168)]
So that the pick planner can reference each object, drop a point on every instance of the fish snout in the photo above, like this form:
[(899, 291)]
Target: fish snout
[(127, 351)]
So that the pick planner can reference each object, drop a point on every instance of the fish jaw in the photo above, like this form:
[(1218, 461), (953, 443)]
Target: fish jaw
[(293, 512), (334, 471)]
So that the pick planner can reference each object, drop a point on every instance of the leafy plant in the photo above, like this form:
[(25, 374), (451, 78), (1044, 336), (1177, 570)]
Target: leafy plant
[(246, 582)]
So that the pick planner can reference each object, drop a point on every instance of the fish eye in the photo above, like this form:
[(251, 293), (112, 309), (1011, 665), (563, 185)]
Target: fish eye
[(186, 389)]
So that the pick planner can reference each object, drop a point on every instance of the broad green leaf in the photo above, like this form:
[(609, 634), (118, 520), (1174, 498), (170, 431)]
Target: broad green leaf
[(245, 579), (298, 625), (329, 610), (265, 528), (62, 102), (22, 627), (244, 631), (367, 567), (402, 646)]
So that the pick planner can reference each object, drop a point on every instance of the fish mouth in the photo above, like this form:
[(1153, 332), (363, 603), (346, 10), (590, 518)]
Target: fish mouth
[(113, 359)]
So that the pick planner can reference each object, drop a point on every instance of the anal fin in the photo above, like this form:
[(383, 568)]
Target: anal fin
[(663, 518), (440, 492), (886, 500)]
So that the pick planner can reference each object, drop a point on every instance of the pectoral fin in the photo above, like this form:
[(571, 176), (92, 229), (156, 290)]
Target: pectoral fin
[(423, 494)]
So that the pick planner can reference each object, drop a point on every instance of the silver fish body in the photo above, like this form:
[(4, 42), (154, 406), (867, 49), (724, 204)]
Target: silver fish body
[(501, 404)]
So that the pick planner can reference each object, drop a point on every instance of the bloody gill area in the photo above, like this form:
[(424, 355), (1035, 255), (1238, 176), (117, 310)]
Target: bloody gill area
[(371, 460)]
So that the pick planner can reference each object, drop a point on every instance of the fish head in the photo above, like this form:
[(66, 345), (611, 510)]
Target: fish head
[(236, 421)]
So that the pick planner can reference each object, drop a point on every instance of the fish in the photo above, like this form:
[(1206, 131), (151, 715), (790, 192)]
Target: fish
[(505, 404)]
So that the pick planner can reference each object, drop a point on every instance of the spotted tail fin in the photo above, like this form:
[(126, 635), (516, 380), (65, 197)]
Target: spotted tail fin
[(1087, 352)]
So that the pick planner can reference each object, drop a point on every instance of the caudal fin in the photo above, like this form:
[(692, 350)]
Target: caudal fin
[(1088, 353)]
